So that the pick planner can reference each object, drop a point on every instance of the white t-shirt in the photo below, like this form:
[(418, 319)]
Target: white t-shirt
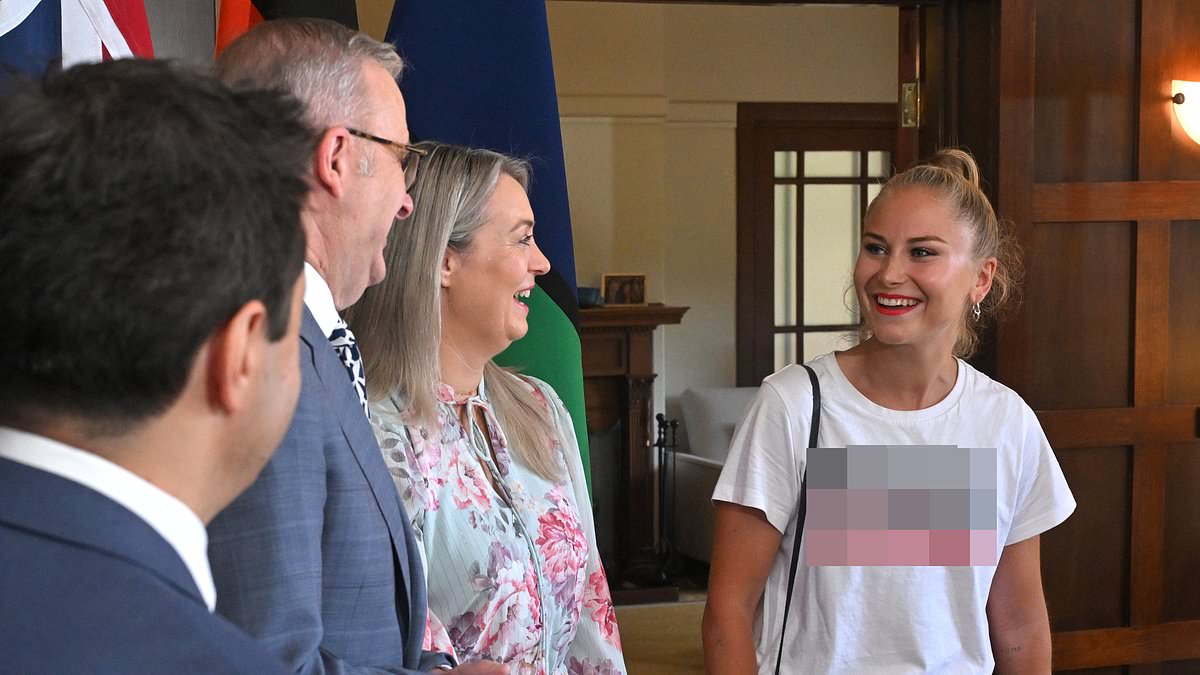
[(868, 619)]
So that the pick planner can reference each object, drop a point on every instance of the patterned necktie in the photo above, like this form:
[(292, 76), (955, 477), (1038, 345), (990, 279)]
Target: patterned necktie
[(347, 350)]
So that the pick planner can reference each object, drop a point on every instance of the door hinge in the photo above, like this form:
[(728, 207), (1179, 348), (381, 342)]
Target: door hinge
[(910, 104)]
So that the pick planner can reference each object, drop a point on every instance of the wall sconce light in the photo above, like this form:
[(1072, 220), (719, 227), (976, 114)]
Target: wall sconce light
[(1186, 96)]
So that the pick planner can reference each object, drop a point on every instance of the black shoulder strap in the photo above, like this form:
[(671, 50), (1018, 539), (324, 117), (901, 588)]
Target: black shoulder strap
[(814, 428)]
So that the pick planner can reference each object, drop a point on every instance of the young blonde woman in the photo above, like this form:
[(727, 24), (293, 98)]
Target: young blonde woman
[(934, 262), (484, 459)]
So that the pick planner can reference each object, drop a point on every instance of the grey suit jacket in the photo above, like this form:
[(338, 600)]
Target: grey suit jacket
[(317, 559)]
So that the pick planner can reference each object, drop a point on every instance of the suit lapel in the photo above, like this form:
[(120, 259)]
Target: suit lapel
[(361, 440), (62, 509)]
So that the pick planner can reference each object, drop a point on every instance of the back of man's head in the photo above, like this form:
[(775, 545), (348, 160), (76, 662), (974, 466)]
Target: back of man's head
[(143, 205), (317, 60)]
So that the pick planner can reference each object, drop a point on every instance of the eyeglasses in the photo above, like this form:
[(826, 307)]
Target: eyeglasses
[(409, 156)]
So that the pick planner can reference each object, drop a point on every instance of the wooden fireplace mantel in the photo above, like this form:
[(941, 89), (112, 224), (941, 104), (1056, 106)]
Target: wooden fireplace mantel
[(618, 378), (631, 316)]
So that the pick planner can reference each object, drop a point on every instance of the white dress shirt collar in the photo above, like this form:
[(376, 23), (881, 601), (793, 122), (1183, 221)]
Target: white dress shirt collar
[(319, 300), (171, 518)]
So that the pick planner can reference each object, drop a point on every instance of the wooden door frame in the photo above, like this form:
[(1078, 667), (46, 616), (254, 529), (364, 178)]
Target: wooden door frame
[(755, 281)]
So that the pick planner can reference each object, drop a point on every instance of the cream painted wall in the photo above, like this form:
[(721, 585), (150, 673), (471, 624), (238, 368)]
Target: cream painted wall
[(781, 53), (617, 201), (648, 96), (607, 48), (702, 234)]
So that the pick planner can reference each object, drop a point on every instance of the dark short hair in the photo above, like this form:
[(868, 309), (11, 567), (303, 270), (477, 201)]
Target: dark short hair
[(143, 204)]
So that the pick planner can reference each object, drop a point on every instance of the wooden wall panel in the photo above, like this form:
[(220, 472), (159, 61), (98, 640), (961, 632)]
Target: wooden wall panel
[(1141, 645), (1087, 135), (1170, 50), (1134, 200), (972, 71), (1090, 551), (1086, 83), (1181, 599), (1014, 75), (1119, 426), (1183, 375), (1080, 352)]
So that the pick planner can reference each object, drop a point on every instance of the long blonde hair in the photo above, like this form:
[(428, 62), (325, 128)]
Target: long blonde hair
[(953, 175), (398, 322)]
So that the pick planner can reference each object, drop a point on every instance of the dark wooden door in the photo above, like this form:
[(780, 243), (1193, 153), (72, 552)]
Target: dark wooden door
[(1104, 189), (795, 162)]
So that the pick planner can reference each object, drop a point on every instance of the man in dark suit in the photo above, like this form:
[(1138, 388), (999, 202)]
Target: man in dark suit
[(317, 559), (150, 260)]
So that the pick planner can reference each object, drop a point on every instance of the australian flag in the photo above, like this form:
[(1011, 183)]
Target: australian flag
[(39, 34)]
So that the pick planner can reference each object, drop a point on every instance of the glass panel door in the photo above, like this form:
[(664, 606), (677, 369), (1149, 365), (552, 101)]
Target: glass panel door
[(818, 219)]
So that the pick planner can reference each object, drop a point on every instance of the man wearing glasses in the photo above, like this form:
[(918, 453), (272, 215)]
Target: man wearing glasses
[(317, 559)]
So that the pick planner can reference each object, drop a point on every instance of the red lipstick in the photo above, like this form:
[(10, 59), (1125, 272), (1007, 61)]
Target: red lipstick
[(889, 310)]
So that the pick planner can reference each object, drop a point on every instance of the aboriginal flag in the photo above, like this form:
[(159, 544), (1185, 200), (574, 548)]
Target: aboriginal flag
[(239, 16), (478, 73)]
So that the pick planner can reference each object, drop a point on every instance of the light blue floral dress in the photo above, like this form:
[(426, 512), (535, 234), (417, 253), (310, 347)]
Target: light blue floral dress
[(513, 571)]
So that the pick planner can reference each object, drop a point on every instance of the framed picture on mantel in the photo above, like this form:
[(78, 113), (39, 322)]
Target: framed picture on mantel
[(624, 289)]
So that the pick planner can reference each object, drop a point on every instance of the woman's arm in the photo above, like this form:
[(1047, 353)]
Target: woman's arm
[(1016, 611), (744, 547)]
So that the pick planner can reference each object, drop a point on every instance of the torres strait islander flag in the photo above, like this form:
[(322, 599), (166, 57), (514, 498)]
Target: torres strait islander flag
[(238, 16), (38, 34), (478, 73)]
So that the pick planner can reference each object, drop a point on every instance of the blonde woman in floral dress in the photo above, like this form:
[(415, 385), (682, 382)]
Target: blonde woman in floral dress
[(484, 459)]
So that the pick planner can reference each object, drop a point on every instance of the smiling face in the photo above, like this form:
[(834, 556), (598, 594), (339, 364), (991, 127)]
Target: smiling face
[(481, 286), (916, 275), (374, 201)]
